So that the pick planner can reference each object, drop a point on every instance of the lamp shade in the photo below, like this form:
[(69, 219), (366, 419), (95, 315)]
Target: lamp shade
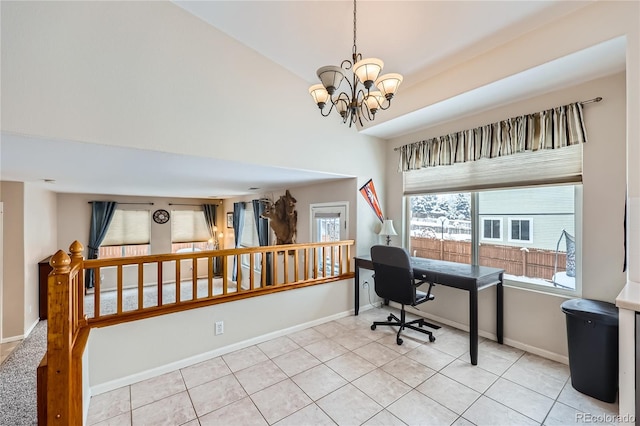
[(368, 70), (331, 77), (387, 228), (388, 84), (342, 105), (374, 100), (319, 94)]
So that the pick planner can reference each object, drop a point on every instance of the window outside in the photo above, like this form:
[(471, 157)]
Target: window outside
[(533, 250), (128, 235), (189, 231)]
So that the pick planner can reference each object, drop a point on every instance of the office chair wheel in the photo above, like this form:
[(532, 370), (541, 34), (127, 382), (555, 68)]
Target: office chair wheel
[(389, 318), (399, 341), (432, 338), (373, 326)]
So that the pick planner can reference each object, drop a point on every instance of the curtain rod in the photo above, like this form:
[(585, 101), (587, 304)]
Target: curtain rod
[(90, 202), (598, 99), (178, 204)]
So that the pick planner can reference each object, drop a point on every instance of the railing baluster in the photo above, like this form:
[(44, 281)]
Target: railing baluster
[(296, 272), (178, 280), (96, 293), (194, 278), (225, 283), (140, 285), (306, 263), (119, 292), (251, 270), (160, 283), (285, 254), (210, 276)]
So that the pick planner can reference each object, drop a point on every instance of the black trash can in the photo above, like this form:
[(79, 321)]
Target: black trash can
[(592, 334)]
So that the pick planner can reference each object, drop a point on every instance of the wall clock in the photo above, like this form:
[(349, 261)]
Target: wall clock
[(161, 216)]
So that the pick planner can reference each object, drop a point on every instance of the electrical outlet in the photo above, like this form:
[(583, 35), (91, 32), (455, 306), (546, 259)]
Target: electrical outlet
[(219, 327)]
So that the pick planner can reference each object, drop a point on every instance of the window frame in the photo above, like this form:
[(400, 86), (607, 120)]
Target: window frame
[(510, 221), (518, 282), (501, 228)]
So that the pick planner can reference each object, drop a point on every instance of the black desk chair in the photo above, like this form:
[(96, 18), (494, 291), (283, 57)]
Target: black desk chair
[(393, 277)]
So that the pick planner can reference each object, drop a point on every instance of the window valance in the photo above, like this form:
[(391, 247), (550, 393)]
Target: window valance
[(550, 129)]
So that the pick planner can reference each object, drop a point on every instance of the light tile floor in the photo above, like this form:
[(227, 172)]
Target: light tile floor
[(343, 373)]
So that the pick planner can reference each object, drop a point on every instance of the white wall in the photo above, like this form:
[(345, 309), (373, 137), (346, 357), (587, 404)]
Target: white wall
[(40, 241), (12, 195), (533, 319), (29, 235), (152, 76)]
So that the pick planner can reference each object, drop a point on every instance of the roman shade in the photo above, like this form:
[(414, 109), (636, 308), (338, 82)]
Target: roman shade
[(533, 149), (188, 226)]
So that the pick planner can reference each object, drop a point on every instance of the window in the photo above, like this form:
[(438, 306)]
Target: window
[(249, 238), (128, 234), (531, 257), (520, 230), (491, 229), (249, 229), (329, 223), (189, 231)]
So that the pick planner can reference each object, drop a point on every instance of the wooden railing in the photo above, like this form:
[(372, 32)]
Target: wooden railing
[(146, 286)]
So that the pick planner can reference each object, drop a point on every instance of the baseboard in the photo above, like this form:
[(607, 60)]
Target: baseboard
[(563, 359), (12, 339), (21, 336), (167, 368), (30, 329)]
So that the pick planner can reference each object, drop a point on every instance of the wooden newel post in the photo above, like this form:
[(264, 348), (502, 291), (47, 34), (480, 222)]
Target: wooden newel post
[(76, 249), (59, 341)]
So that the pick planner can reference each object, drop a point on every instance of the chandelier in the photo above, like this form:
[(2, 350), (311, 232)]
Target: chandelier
[(359, 100)]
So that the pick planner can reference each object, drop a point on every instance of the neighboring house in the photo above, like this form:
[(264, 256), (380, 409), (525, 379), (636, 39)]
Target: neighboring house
[(527, 218), (69, 74)]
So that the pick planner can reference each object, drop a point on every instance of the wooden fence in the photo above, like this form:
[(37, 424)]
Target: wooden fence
[(516, 261)]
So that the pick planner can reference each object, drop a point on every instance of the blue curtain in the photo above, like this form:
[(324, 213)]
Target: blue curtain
[(210, 217), (238, 221), (101, 215), (262, 227)]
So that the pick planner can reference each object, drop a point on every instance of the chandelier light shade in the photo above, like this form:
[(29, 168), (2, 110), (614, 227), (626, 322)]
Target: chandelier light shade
[(319, 94), (368, 70), (331, 77), (388, 84), (357, 77)]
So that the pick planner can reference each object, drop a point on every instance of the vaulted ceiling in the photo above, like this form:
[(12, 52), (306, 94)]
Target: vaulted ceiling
[(419, 39)]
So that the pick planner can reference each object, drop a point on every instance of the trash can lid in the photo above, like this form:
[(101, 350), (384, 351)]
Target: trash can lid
[(594, 310)]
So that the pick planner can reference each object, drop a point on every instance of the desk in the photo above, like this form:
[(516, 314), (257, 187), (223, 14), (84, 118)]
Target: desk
[(458, 275)]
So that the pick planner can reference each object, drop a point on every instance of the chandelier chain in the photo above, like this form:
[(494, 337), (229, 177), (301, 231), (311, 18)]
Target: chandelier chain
[(358, 101), (355, 49)]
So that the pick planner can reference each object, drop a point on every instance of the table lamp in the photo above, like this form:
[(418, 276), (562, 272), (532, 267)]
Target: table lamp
[(387, 230)]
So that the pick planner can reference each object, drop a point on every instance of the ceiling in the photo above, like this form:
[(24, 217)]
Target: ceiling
[(418, 39)]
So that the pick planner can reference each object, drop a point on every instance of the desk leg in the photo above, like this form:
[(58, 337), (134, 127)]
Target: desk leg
[(473, 326), (356, 290), (500, 307)]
